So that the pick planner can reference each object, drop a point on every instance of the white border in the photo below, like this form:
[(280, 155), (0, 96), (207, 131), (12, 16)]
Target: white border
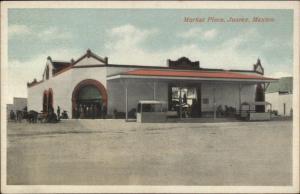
[(151, 189)]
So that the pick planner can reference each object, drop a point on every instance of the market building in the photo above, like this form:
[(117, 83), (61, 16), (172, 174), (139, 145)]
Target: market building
[(91, 87)]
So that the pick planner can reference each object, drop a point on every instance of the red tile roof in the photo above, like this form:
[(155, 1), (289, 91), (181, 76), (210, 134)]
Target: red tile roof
[(195, 74)]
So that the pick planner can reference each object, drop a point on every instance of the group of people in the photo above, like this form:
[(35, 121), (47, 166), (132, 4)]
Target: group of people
[(90, 111), (13, 116), (17, 115), (186, 109), (58, 115)]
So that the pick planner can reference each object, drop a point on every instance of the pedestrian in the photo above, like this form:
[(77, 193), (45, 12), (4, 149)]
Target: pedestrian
[(81, 112), (58, 113), (12, 115), (104, 109)]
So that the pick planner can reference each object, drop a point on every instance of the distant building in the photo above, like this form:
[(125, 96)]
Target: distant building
[(18, 104), (280, 95)]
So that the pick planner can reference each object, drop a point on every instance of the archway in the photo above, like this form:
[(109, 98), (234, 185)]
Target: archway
[(259, 97), (89, 100), (50, 101)]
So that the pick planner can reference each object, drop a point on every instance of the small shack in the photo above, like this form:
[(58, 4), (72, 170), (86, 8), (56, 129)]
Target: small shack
[(248, 111), (150, 111)]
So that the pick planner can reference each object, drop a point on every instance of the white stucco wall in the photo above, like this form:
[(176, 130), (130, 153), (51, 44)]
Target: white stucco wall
[(278, 102), (62, 86)]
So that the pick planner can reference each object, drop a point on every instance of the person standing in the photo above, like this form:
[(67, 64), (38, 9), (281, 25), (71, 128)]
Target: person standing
[(12, 115), (58, 113), (103, 111), (81, 112)]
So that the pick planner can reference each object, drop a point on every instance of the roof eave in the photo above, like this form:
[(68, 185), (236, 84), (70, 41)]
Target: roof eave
[(122, 76)]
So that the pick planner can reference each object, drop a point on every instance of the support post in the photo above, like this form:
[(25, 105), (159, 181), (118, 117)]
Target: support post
[(240, 98), (126, 100), (154, 90), (214, 101), (180, 104)]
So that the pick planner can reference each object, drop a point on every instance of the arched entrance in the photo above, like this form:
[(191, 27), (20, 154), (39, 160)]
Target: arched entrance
[(50, 100), (259, 97), (89, 100)]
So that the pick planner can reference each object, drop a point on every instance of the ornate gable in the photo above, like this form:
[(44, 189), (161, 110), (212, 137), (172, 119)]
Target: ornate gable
[(90, 58), (183, 63), (258, 68)]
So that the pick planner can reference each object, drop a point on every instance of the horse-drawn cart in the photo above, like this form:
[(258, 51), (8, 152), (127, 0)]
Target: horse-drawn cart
[(42, 117)]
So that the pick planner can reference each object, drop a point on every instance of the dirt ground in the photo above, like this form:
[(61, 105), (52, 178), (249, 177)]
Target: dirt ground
[(113, 152)]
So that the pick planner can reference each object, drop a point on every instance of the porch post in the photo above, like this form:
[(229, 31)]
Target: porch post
[(154, 90), (240, 88), (180, 103), (126, 100), (214, 101)]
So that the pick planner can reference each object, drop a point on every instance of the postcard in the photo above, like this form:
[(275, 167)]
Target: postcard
[(150, 97)]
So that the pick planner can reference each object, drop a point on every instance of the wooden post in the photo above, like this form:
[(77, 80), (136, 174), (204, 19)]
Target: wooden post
[(214, 101), (180, 104), (154, 90), (240, 88), (126, 101)]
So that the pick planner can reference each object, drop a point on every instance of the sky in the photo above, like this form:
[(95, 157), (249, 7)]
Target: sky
[(146, 37)]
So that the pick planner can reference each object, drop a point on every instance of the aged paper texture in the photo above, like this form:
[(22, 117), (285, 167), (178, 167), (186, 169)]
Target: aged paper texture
[(150, 97)]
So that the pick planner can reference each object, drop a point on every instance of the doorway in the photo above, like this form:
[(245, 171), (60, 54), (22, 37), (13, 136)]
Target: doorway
[(185, 99), (89, 100)]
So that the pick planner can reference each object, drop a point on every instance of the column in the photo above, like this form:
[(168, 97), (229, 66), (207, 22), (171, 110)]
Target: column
[(126, 100), (240, 101), (180, 104), (154, 90), (214, 101)]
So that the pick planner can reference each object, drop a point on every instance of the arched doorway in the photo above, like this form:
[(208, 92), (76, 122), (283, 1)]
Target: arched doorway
[(260, 97), (50, 101), (89, 100)]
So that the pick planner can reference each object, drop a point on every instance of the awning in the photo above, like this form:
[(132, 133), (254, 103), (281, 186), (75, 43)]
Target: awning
[(191, 75)]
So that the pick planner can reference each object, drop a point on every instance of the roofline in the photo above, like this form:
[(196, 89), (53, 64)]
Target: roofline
[(29, 85), (240, 70), (89, 53), (58, 61), (72, 65), (120, 76), (140, 66), (20, 97), (166, 67), (160, 67)]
